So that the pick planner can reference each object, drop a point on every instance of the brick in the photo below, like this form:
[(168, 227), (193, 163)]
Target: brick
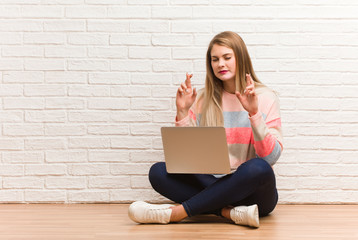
[(108, 52), (189, 53), (151, 78), (65, 129), (155, 26), (10, 11), (88, 169), (44, 90), (41, 11), (45, 144), (130, 116), (150, 104), (191, 26), (129, 168), (69, 183), (23, 77), (19, 25), (85, 12), (88, 39), (140, 182), (135, 91), (23, 103), (132, 142), (164, 117), (65, 26), (125, 196), (65, 52), (54, 116), (11, 38), (105, 2), (89, 91), (11, 90), (148, 2), (171, 12), (11, 116), (85, 116), (129, 12), (11, 196), (11, 170), (107, 26), (172, 66), (89, 142), (145, 129), (239, 26), (87, 196), (108, 156), (108, 103), (23, 183), (172, 40), (65, 103), (23, 157), (44, 38), (108, 129), (16, 51), (88, 65), (112, 182), (277, 52), (131, 65), (45, 64), (65, 77), (11, 64), (110, 78), (132, 39), (23, 129), (149, 53), (146, 156), (66, 156), (45, 196)]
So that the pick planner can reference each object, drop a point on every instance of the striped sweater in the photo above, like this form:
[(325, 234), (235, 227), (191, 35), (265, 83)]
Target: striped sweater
[(248, 137)]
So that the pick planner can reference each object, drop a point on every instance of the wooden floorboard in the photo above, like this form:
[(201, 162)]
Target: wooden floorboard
[(110, 221)]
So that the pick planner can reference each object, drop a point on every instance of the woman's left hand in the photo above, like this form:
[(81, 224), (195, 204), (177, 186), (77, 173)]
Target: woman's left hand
[(249, 99)]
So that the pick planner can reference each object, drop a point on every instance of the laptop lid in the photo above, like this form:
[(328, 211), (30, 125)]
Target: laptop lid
[(196, 150)]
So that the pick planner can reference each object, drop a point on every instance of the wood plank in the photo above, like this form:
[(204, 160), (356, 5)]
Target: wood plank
[(110, 221)]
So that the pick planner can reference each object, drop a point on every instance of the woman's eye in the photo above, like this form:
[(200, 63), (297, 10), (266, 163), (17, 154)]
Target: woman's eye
[(214, 60), (228, 58)]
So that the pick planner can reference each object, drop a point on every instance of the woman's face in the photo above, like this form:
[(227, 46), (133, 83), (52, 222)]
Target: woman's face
[(223, 63)]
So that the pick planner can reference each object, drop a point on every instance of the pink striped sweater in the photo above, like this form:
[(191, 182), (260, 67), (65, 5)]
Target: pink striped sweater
[(248, 137)]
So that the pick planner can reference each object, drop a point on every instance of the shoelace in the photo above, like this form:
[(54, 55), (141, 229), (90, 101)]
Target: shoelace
[(155, 214), (241, 214)]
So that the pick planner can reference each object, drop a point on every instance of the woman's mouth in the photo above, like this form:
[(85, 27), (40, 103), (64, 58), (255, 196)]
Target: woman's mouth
[(223, 71)]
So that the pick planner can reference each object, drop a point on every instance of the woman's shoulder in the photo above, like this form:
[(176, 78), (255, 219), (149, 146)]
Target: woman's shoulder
[(268, 99), (267, 93)]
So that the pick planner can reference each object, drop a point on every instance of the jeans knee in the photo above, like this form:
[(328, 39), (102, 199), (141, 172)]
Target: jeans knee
[(261, 168), (155, 172)]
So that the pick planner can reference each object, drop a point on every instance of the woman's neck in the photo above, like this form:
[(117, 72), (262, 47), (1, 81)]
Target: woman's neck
[(229, 86)]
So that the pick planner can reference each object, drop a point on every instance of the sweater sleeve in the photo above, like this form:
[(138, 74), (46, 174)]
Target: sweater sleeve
[(267, 132), (188, 121)]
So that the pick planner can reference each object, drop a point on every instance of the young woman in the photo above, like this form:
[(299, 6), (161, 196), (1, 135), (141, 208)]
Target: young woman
[(233, 97)]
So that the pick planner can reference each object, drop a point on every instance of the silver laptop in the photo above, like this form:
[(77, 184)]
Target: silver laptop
[(196, 150)]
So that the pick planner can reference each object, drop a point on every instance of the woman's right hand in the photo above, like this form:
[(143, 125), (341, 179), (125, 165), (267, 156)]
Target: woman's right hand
[(185, 98)]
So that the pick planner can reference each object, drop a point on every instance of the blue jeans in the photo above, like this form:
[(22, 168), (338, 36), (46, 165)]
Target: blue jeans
[(252, 183)]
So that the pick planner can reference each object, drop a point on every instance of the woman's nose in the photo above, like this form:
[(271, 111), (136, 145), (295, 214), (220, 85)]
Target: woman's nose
[(221, 63)]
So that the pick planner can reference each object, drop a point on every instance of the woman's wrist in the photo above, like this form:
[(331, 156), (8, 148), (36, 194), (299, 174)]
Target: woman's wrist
[(182, 114)]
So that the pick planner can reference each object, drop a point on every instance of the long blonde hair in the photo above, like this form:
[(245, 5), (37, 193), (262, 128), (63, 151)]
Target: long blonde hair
[(211, 96)]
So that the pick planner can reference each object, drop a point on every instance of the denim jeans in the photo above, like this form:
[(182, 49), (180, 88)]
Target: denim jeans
[(252, 183)]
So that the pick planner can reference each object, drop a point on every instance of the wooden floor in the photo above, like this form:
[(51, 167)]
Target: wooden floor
[(110, 221)]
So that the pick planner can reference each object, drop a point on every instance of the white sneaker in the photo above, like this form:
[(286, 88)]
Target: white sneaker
[(142, 212), (246, 215)]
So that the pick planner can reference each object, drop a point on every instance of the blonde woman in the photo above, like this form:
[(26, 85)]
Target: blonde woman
[(233, 97)]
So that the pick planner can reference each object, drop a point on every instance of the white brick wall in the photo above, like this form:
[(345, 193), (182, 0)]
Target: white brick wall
[(87, 84)]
